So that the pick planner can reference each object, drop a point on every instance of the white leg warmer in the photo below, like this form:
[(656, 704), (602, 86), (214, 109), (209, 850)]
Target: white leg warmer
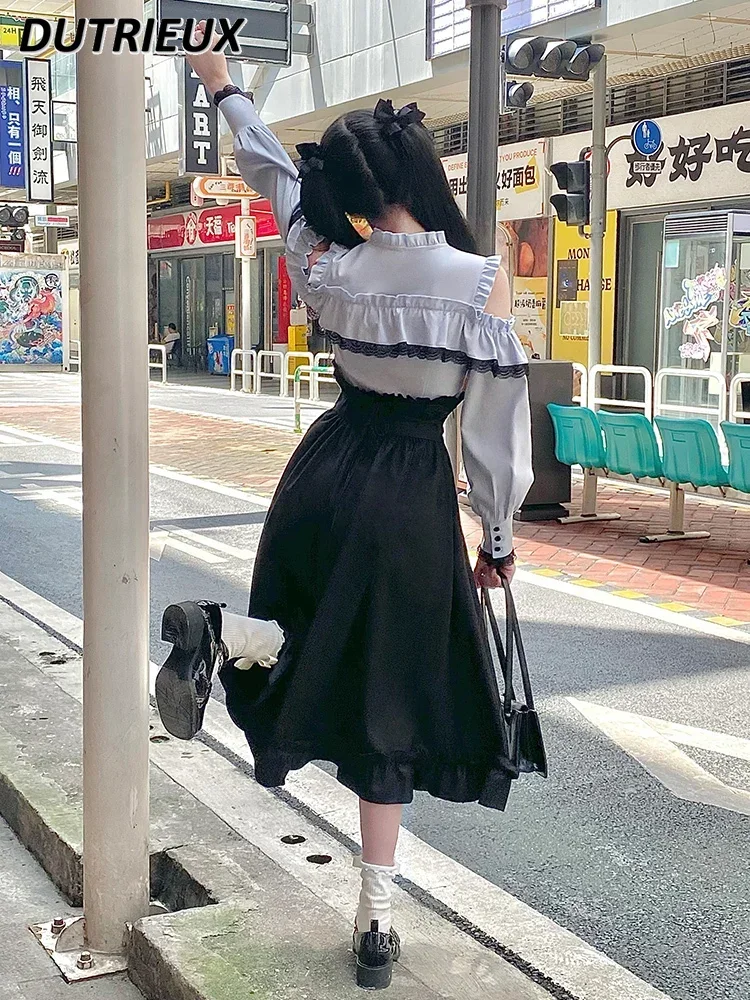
[(250, 640), (375, 896)]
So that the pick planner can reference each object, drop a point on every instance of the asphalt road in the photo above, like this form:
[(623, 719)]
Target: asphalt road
[(602, 847)]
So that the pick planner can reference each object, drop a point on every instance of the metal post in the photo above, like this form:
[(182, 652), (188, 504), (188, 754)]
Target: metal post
[(484, 116), (598, 211), (112, 196), (50, 233), (246, 336)]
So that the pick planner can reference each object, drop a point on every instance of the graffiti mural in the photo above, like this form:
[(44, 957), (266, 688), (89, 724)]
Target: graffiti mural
[(31, 316)]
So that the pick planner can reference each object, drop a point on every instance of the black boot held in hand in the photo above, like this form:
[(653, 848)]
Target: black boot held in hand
[(376, 954), (183, 685)]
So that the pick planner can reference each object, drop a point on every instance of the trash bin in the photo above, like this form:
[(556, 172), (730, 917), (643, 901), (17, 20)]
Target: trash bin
[(220, 355)]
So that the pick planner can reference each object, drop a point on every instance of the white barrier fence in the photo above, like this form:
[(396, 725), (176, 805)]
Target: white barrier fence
[(74, 356), (247, 373), (596, 401), (161, 350), (708, 410)]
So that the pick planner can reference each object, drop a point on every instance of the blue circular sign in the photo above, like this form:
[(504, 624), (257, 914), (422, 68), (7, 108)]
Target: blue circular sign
[(647, 138)]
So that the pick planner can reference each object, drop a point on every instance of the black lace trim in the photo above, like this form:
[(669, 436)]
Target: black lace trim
[(404, 350)]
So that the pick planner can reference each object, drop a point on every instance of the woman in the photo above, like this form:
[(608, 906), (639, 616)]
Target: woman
[(384, 668)]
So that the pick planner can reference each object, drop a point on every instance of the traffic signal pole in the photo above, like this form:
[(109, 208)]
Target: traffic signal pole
[(114, 371), (598, 210), (484, 117)]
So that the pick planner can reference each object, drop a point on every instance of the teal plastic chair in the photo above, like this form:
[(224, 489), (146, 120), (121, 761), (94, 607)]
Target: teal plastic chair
[(578, 436), (738, 441), (691, 452), (579, 441), (632, 448)]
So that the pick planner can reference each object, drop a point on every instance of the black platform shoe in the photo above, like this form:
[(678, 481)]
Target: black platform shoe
[(183, 685), (376, 954)]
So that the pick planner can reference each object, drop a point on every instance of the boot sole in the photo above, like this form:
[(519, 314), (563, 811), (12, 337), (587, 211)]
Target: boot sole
[(176, 698), (374, 978)]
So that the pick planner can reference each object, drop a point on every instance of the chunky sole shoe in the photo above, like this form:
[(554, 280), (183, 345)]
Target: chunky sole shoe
[(376, 954), (183, 685)]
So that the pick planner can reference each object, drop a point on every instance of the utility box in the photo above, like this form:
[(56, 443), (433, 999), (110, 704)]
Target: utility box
[(549, 382)]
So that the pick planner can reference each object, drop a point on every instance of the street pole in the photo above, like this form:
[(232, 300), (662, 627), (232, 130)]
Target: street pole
[(484, 117), (598, 211), (112, 196), (245, 338), (50, 233)]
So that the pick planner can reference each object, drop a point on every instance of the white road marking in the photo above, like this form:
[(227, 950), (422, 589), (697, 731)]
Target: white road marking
[(259, 817), (211, 543), (10, 441), (646, 741)]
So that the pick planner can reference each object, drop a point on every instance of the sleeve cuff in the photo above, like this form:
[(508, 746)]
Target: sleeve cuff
[(498, 538), (239, 112)]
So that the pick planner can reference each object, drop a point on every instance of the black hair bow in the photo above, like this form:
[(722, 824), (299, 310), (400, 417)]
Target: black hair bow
[(394, 122), (311, 154)]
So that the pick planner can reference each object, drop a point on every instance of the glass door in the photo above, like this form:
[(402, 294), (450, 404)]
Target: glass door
[(193, 294)]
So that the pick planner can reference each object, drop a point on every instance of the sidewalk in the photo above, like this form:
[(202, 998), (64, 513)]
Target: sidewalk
[(28, 897), (251, 916), (709, 578)]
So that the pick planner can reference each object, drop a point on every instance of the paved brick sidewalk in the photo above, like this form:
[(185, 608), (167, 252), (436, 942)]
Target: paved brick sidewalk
[(711, 577)]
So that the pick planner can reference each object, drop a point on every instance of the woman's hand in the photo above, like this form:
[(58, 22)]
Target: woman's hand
[(485, 575), (210, 66)]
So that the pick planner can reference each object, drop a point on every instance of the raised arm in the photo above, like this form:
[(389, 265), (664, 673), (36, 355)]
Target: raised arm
[(262, 160)]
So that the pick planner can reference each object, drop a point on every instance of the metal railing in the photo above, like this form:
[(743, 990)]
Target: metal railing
[(304, 371), (662, 407), (595, 401), (260, 374), (583, 371), (246, 373), (736, 412), (74, 358), (162, 350), (322, 361), (308, 364)]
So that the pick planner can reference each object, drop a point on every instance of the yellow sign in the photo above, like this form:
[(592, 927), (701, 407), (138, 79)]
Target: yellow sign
[(570, 304), (10, 34), (230, 319)]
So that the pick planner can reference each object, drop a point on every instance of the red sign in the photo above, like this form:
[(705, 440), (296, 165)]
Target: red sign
[(285, 303), (207, 227)]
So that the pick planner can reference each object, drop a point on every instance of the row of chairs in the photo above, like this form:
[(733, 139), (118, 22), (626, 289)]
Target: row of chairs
[(627, 444)]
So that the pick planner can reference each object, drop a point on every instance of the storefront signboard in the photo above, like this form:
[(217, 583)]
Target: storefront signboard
[(40, 183), (212, 226), (521, 179), (570, 314), (12, 125), (705, 156), (246, 239), (200, 127)]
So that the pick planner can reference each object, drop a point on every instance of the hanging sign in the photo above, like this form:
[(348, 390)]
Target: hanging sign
[(40, 185), (200, 127), (262, 28), (12, 125), (521, 170), (246, 236), (223, 187)]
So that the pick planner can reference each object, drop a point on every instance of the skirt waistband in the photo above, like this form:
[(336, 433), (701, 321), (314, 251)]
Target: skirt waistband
[(389, 424)]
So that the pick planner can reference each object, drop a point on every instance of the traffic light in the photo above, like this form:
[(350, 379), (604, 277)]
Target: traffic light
[(574, 207), (518, 95), (12, 220), (552, 58)]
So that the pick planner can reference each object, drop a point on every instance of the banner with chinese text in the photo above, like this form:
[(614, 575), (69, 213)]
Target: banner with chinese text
[(521, 174), (40, 186), (705, 156), (12, 131)]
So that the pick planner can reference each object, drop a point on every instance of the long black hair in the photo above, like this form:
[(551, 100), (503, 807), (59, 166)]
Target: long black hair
[(367, 161)]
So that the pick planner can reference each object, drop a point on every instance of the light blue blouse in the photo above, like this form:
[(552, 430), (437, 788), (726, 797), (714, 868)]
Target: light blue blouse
[(406, 315)]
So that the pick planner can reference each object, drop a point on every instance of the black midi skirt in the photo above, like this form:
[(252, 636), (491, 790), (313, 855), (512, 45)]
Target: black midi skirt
[(386, 671)]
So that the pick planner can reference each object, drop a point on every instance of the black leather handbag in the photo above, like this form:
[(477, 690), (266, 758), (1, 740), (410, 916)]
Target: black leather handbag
[(524, 731)]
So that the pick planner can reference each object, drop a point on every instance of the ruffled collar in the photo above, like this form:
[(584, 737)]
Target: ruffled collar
[(382, 238)]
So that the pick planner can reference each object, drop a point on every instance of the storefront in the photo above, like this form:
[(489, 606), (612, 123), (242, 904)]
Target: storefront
[(194, 280), (703, 166), (522, 232)]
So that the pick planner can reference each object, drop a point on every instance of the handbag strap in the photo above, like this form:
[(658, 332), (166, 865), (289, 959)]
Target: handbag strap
[(512, 617), (504, 652), (513, 643)]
